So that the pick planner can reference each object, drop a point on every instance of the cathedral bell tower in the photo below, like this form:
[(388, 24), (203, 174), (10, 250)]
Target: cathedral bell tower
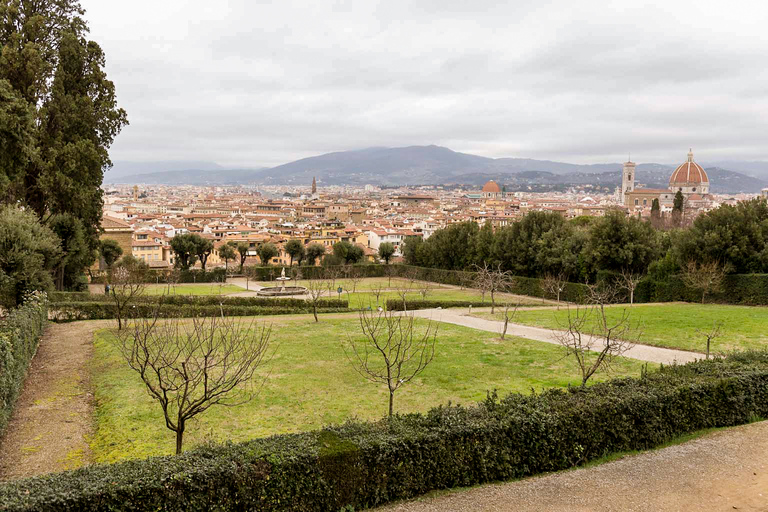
[(627, 179)]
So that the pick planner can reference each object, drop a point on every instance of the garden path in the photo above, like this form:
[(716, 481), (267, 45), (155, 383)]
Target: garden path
[(723, 470), (54, 414), (640, 352)]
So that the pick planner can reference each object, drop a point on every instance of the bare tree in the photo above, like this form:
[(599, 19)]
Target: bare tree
[(592, 338), (172, 278), (712, 334), (553, 285), (705, 277), (492, 280), (355, 277), (508, 316), (127, 283), (629, 282), (424, 288), (377, 291), (191, 365), (403, 291), (391, 353), (315, 290)]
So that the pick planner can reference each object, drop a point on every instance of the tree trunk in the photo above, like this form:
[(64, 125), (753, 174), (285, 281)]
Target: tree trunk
[(179, 440), (391, 401), (314, 311), (493, 303)]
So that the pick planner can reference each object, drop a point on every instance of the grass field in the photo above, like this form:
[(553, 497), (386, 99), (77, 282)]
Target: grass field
[(674, 325), (312, 384), (192, 289)]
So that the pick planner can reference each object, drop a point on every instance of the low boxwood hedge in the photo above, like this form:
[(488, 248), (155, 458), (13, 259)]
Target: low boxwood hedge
[(362, 464), (73, 311), (200, 300), (410, 305), (20, 334)]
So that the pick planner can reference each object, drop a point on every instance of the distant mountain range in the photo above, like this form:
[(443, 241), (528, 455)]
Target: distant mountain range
[(430, 165)]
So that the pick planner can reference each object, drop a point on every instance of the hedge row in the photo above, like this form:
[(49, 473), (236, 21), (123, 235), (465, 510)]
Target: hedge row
[(216, 275), (73, 311), (20, 334), (746, 289), (200, 300), (360, 464), (411, 305)]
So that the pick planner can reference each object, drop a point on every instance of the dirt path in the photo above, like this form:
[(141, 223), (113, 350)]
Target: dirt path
[(54, 414), (725, 470), (640, 352)]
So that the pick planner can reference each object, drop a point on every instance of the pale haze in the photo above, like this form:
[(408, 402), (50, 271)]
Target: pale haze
[(247, 83)]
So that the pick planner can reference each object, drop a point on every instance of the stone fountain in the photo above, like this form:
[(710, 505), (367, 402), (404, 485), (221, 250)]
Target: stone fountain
[(282, 290)]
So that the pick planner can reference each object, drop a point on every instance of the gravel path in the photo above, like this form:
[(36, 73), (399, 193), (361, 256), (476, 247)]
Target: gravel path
[(640, 352), (54, 414), (725, 470)]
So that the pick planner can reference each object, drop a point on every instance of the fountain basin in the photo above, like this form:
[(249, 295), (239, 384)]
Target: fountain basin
[(281, 291)]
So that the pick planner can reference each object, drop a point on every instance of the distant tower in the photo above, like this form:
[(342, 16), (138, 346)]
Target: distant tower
[(314, 186), (627, 179), (135, 192)]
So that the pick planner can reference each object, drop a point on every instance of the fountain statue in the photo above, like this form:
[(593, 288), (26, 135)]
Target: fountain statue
[(283, 290)]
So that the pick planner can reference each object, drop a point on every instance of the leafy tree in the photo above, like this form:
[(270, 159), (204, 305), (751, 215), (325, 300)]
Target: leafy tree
[(184, 247), (347, 252), (315, 251), (76, 252), (242, 250), (735, 236), (227, 252), (60, 76), (266, 252), (203, 249), (110, 251), (16, 142), (29, 252), (656, 209), (483, 245), (295, 249), (517, 247), (619, 243), (386, 250), (413, 251), (677, 208)]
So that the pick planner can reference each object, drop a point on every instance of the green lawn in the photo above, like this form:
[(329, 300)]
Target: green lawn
[(192, 289), (312, 384), (365, 299), (364, 284), (674, 325)]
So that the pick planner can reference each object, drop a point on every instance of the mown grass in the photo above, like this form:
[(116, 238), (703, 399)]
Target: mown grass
[(311, 384), (675, 325)]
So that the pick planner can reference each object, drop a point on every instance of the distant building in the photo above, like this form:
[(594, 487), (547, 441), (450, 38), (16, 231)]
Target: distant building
[(689, 178), (764, 193), (491, 190)]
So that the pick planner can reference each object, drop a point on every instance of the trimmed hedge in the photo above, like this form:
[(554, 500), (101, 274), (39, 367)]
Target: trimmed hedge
[(73, 311), (20, 334), (216, 275), (367, 464), (397, 304), (199, 300), (746, 289)]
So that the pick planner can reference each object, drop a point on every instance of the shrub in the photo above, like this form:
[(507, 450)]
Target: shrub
[(397, 304), (20, 334), (360, 464), (72, 311), (199, 300)]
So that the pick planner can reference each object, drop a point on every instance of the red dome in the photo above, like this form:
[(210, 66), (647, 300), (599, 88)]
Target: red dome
[(492, 187), (689, 173)]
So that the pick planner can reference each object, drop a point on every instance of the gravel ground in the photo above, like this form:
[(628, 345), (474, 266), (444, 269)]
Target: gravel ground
[(640, 352), (725, 470), (54, 414)]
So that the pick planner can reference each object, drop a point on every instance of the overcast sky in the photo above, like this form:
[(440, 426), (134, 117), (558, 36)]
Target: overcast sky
[(250, 83)]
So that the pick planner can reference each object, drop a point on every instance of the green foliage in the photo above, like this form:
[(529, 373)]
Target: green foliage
[(266, 252), (77, 253), (199, 300), (187, 248), (74, 311), (736, 237), (227, 252), (347, 253), (110, 251), (28, 253), (617, 242), (16, 143), (386, 250), (412, 305), (315, 251), (295, 249), (367, 464), (20, 333)]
